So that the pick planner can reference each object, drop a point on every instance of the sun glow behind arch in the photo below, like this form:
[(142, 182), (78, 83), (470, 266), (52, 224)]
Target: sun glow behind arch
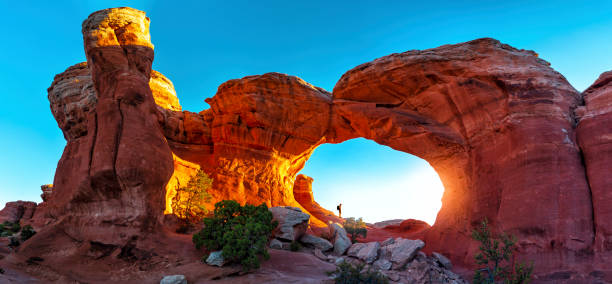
[(374, 182)]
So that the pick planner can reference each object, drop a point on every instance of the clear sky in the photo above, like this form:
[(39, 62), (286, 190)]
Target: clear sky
[(201, 44)]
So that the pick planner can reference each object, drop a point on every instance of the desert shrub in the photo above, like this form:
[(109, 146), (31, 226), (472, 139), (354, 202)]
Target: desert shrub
[(494, 255), (13, 242), (295, 246), (355, 228), (27, 232), (241, 232), (188, 203), (8, 229), (347, 273)]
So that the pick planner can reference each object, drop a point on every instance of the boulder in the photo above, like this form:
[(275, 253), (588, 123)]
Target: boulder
[(319, 254), (442, 260), (341, 240), (316, 242), (276, 244), (382, 264), (401, 251), (368, 252), (392, 275), (387, 242), (174, 279), (292, 222), (215, 258)]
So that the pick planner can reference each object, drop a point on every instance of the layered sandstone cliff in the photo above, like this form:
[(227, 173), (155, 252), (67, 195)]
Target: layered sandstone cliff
[(595, 138), (496, 123)]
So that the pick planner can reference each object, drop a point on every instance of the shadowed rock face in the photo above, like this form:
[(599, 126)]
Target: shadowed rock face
[(595, 138), (495, 122)]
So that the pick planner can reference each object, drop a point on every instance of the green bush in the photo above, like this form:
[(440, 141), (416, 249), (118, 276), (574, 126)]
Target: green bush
[(13, 242), (241, 232), (494, 252), (295, 246), (8, 229), (188, 203), (347, 273), (27, 232), (355, 228)]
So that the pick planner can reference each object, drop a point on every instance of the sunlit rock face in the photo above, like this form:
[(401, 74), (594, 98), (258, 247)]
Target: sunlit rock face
[(72, 96), (595, 138), (264, 128), (496, 123), (302, 191)]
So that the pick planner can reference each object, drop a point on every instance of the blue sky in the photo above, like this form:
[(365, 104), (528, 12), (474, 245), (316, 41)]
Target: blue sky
[(201, 44)]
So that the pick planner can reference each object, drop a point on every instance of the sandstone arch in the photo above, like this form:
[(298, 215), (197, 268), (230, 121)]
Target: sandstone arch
[(495, 122)]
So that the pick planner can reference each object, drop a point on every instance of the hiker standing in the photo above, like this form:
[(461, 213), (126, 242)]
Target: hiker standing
[(339, 207)]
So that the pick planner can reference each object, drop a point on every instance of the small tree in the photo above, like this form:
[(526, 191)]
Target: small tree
[(241, 232), (188, 203), (494, 252), (355, 228), (27, 232)]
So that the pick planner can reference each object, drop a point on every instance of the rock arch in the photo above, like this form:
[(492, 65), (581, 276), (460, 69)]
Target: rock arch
[(496, 123)]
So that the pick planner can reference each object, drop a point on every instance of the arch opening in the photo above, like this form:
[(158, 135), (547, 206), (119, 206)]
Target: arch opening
[(374, 181)]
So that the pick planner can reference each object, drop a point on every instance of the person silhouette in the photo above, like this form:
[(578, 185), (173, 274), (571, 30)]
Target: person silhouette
[(339, 207)]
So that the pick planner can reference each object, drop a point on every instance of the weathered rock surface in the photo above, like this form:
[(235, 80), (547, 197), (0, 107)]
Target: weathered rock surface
[(408, 226), (401, 262), (427, 270), (47, 191), (385, 223), (341, 240), (216, 258), (368, 252), (292, 222), (382, 264), (302, 191), (316, 242), (594, 131), (17, 210), (401, 251), (110, 182), (442, 260), (276, 244), (496, 123), (173, 279)]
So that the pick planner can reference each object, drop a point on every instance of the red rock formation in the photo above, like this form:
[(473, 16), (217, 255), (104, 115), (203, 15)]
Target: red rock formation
[(17, 210), (110, 181), (302, 191), (409, 226), (495, 122), (47, 190), (594, 132), (263, 129)]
